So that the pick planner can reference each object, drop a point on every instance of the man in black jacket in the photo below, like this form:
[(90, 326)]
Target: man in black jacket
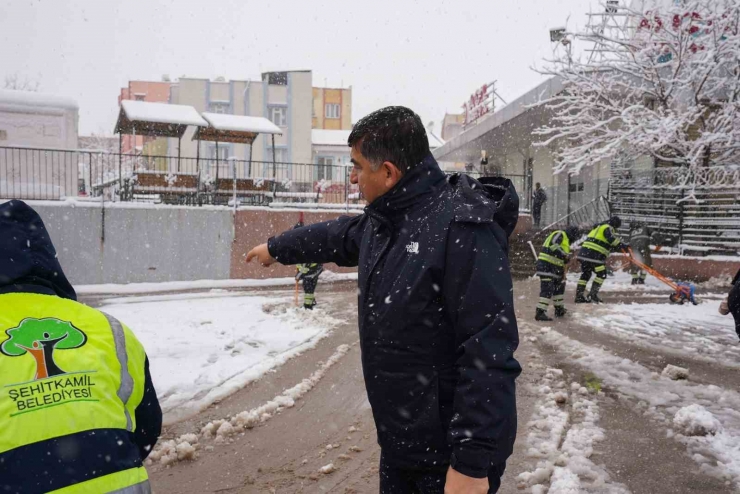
[(731, 305), (436, 314), (79, 411)]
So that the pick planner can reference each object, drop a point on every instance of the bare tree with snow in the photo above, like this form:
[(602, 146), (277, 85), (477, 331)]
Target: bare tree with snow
[(14, 81), (666, 84)]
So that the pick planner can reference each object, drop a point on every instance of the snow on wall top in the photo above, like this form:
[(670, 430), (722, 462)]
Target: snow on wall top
[(30, 98), (321, 137), (145, 111), (434, 140), (241, 123)]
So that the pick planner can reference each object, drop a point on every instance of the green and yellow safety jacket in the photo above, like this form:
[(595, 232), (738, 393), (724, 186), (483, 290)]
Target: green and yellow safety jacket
[(554, 255), (79, 412), (601, 241)]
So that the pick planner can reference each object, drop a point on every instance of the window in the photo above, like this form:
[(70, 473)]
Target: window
[(3, 135), (223, 151), (577, 187), (324, 168), (281, 155), (277, 78), (219, 107), (278, 115), (139, 97), (332, 110)]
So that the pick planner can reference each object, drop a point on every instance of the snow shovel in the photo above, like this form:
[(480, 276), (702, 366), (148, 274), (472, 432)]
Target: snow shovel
[(681, 291)]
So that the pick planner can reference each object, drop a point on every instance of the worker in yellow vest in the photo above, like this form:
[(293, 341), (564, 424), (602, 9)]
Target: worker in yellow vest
[(78, 410), (551, 268), (601, 242)]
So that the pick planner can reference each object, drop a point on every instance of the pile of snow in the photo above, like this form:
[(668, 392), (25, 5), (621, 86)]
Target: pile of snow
[(327, 469), (622, 282), (203, 348), (168, 452), (674, 372), (695, 420)]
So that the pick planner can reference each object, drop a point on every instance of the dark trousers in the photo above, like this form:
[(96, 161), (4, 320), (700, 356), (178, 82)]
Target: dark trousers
[(551, 289), (733, 301), (309, 287), (537, 215), (394, 480), (587, 270)]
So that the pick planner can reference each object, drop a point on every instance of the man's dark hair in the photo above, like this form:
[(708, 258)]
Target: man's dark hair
[(394, 134)]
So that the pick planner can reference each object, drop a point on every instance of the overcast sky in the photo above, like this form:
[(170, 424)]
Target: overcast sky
[(428, 55)]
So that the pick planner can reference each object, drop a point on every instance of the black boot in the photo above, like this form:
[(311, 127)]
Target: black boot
[(594, 297), (560, 311), (542, 315), (635, 281), (580, 295)]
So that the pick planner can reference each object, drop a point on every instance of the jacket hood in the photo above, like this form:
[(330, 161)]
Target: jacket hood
[(485, 200), (419, 183), (28, 260)]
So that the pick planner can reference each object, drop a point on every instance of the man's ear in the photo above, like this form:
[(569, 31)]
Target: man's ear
[(392, 174)]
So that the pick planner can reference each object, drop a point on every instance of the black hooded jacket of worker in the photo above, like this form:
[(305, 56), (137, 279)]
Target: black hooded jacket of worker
[(436, 314), (733, 301)]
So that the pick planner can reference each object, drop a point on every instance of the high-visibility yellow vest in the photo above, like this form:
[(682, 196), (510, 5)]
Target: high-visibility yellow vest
[(597, 240), (65, 369), (549, 249)]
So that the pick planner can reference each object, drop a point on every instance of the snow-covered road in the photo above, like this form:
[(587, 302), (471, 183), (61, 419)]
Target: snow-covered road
[(202, 347)]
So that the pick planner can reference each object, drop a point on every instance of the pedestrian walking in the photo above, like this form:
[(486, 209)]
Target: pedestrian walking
[(79, 411), (551, 268), (539, 198), (436, 316), (601, 241)]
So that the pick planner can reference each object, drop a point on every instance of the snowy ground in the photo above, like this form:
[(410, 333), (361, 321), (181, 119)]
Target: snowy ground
[(698, 332), (203, 347)]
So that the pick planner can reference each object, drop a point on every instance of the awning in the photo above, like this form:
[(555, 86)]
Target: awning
[(156, 119), (234, 128)]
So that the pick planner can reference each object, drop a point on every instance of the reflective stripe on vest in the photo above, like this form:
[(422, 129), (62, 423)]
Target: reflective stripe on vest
[(61, 359), (551, 259), (132, 481)]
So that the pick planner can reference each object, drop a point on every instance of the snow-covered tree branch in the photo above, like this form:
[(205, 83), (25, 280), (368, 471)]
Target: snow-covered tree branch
[(665, 85)]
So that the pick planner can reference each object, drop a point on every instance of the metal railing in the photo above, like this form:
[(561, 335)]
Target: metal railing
[(696, 209), (587, 215), (55, 174)]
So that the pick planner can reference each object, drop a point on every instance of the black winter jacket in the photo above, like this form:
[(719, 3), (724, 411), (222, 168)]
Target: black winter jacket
[(29, 264), (436, 314)]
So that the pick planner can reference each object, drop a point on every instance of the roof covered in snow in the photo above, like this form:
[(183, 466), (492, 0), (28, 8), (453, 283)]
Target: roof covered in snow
[(241, 123), (145, 111), (156, 119), (321, 137), (30, 98)]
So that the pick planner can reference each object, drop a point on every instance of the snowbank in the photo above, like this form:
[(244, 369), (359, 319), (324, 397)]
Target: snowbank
[(203, 349), (172, 286)]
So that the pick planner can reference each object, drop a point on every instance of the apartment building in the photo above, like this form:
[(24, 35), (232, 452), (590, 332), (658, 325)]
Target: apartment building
[(153, 92), (332, 108)]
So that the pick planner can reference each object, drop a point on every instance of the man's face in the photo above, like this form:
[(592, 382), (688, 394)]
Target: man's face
[(373, 183)]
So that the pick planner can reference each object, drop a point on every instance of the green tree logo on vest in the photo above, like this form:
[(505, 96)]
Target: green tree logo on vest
[(41, 338)]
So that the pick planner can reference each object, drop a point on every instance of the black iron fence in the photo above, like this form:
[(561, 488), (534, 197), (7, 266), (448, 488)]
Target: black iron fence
[(695, 209), (54, 174)]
